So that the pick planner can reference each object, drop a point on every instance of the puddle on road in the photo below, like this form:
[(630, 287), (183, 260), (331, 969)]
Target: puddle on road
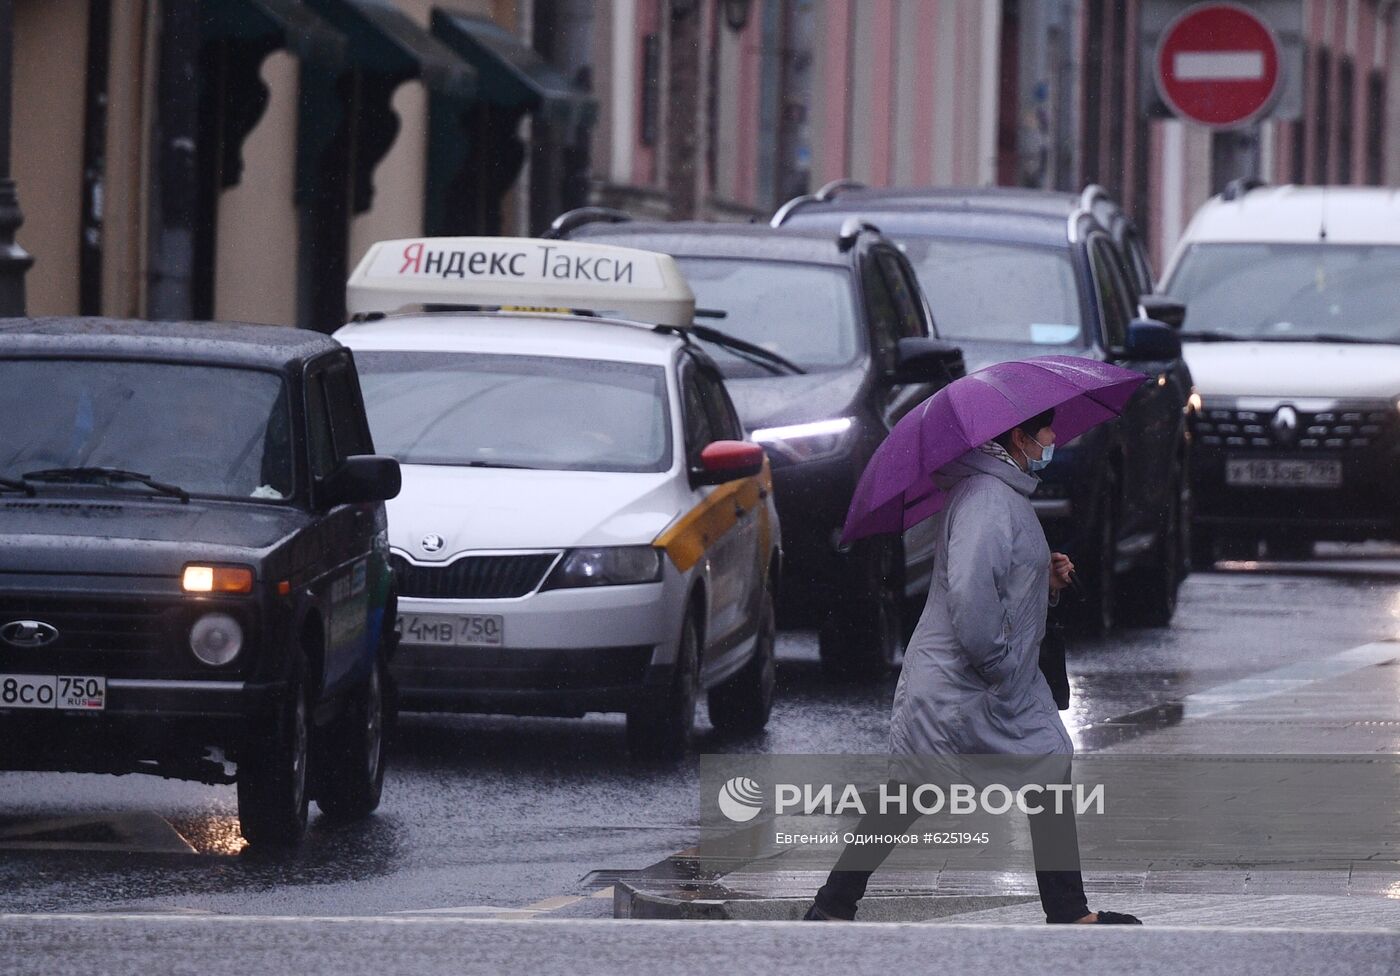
[(126, 833)]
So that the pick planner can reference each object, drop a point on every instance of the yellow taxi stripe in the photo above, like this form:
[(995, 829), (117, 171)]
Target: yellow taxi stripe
[(688, 538)]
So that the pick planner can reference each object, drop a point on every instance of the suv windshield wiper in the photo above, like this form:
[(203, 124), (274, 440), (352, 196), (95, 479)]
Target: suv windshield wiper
[(15, 484), (108, 476), (1335, 337), (747, 351), (1212, 336)]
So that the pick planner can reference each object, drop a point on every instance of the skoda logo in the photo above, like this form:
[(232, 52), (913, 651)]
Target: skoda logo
[(28, 633), (433, 543), (1285, 425)]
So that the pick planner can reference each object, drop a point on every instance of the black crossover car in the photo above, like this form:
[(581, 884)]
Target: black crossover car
[(846, 346), (1018, 273), (193, 563)]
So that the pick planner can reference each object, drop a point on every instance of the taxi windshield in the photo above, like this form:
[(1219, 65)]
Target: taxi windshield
[(998, 292), (802, 312), (1290, 291), (505, 411), (209, 430)]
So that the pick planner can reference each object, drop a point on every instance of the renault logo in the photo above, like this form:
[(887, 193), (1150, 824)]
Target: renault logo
[(1285, 425), (28, 633), (433, 543)]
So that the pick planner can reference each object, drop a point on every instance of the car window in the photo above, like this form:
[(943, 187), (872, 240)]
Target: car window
[(506, 411), (997, 292), (906, 298), (724, 420), (1139, 263), (699, 427), (347, 431), (319, 437), (212, 431), (1115, 304), (1291, 291), (804, 312), (884, 312)]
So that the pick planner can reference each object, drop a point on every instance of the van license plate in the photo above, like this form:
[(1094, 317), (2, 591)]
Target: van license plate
[(1251, 472), (66, 692)]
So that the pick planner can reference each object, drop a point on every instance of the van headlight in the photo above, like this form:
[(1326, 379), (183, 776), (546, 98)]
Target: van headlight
[(806, 442), (609, 566), (216, 639)]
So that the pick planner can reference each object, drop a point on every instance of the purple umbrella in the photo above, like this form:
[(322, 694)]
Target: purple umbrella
[(897, 488)]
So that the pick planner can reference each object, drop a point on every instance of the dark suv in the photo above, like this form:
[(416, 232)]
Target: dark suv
[(846, 346), (1017, 273), (193, 563)]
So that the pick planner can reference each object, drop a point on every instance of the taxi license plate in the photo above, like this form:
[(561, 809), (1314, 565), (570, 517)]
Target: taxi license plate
[(1249, 472), (66, 692), (452, 629)]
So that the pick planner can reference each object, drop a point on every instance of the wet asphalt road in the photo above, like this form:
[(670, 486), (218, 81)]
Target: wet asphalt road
[(486, 814)]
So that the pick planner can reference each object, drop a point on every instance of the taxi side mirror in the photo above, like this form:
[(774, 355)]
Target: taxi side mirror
[(723, 461), (361, 478)]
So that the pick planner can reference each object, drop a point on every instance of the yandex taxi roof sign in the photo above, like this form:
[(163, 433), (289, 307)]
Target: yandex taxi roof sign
[(518, 271)]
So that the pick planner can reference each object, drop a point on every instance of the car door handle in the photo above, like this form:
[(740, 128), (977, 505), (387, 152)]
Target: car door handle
[(740, 511)]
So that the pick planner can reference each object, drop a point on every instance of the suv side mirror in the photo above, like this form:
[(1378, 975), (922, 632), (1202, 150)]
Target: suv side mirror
[(723, 461), (362, 478), (1152, 341), (1164, 309), (928, 361)]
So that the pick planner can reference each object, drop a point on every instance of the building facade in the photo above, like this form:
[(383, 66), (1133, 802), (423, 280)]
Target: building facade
[(232, 159)]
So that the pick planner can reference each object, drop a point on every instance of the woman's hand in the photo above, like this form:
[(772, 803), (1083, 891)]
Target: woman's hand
[(1060, 569)]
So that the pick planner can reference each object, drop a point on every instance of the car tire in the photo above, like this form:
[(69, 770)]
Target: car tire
[(350, 773), (1097, 614), (273, 770), (1149, 594), (744, 701), (661, 728), (864, 634)]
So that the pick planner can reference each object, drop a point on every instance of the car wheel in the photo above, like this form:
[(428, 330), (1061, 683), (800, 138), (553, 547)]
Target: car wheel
[(350, 775), (744, 701), (864, 634), (273, 771), (1098, 612), (661, 729), (1150, 593)]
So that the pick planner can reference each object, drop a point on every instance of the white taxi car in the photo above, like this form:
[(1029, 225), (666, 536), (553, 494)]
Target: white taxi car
[(583, 526)]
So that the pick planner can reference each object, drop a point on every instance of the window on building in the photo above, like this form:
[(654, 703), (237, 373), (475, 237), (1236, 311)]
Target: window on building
[(1375, 129), (1346, 117), (651, 88)]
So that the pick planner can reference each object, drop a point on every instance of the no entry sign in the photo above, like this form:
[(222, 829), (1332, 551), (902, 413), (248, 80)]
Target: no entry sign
[(1218, 65)]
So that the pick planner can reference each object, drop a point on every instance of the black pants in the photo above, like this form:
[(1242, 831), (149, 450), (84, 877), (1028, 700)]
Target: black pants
[(1061, 892)]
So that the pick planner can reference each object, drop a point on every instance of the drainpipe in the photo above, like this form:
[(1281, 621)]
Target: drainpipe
[(14, 260), (174, 192)]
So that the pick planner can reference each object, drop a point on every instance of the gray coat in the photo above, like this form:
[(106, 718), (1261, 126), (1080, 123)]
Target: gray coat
[(971, 682)]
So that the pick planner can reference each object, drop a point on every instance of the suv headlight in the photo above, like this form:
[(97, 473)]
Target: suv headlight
[(216, 639), (610, 566), (806, 442)]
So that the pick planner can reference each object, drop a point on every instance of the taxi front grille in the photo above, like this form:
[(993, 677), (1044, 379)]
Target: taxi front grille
[(486, 577), (1335, 429)]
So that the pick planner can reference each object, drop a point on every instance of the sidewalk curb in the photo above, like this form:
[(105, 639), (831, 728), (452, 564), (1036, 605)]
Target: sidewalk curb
[(634, 903)]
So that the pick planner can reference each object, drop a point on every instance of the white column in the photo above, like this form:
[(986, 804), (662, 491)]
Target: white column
[(624, 89), (989, 96)]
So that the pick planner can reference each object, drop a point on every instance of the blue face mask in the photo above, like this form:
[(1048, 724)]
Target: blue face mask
[(1047, 453)]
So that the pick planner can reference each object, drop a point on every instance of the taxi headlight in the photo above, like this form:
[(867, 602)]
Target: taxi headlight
[(611, 566), (216, 639), (797, 443)]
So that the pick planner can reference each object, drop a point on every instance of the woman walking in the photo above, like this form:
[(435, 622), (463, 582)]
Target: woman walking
[(971, 683)]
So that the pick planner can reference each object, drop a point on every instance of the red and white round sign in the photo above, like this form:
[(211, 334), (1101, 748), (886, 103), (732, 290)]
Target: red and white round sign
[(1218, 65)]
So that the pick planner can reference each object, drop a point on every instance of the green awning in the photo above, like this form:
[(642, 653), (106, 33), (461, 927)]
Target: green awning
[(277, 23), (384, 40), (511, 74)]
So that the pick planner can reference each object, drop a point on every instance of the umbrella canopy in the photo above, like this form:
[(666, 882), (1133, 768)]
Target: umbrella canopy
[(897, 488)]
